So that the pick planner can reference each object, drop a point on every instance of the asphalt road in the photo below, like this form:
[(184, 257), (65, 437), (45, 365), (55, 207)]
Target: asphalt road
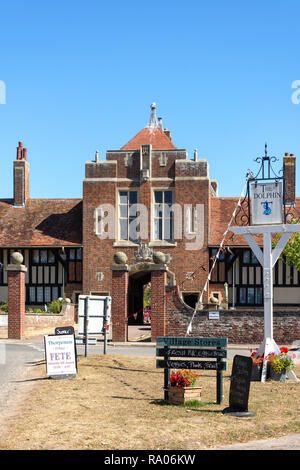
[(14, 359)]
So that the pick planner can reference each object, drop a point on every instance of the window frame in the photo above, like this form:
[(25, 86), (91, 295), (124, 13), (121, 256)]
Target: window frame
[(169, 241), (128, 218)]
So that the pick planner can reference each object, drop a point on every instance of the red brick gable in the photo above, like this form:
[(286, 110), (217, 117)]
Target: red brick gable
[(41, 222), (154, 136)]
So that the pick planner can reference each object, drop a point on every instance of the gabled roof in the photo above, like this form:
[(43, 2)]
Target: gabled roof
[(154, 136), (41, 222)]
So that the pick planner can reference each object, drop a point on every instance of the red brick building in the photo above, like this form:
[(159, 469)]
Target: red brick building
[(148, 214)]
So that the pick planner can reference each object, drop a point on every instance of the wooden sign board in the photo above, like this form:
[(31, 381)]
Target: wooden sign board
[(60, 353), (266, 203), (202, 342), (193, 352), (192, 349), (201, 365)]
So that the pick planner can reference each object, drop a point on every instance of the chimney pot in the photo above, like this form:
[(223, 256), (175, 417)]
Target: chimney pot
[(168, 133)]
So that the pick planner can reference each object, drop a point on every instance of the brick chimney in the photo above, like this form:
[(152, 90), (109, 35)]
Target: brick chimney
[(289, 173), (21, 176)]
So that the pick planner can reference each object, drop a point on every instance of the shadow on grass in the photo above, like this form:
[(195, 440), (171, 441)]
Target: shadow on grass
[(193, 405)]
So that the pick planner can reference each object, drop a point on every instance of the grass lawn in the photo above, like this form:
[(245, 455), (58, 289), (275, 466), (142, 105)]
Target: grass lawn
[(116, 403)]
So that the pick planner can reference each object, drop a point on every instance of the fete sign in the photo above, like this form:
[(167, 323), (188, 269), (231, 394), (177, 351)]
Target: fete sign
[(266, 203), (60, 355)]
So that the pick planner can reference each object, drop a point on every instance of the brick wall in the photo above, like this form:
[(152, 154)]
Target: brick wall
[(158, 304), (119, 304), (239, 326), (38, 324)]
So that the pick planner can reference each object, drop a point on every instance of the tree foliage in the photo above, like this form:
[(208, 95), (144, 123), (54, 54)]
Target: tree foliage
[(291, 253)]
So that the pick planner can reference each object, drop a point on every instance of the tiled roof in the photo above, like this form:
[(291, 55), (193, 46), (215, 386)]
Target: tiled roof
[(222, 209), (42, 222), (150, 135)]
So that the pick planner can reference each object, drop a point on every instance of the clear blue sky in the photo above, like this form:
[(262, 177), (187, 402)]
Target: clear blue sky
[(81, 75)]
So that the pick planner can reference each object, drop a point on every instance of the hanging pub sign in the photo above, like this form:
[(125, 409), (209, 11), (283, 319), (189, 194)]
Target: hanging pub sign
[(267, 203)]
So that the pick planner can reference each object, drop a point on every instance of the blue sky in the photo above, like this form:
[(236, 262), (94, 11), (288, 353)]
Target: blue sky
[(81, 76)]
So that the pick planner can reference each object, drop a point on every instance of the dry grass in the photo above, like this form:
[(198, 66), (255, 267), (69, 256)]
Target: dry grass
[(116, 402)]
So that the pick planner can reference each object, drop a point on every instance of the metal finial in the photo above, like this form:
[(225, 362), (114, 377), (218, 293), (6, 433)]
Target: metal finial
[(153, 120)]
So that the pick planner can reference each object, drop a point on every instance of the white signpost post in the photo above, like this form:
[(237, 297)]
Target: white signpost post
[(267, 259)]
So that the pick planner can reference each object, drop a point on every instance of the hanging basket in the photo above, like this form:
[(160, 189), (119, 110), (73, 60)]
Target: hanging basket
[(180, 395)]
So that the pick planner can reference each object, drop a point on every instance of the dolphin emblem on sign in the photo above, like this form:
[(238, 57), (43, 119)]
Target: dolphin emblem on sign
[(267, 208)]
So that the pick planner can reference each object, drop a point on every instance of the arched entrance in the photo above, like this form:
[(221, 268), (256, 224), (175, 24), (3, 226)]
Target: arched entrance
[(128, 282), (136, 289)]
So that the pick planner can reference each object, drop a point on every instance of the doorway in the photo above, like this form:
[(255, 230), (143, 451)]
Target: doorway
[(136, 296)]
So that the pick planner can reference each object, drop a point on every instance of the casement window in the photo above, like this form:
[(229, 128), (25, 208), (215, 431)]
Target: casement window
[(43, 256), (249, 258), (163, 215), (128, 201), (250, 295), (74, 265), (42, 294)]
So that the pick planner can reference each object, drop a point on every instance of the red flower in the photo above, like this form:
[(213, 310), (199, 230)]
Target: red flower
[(284, 350)]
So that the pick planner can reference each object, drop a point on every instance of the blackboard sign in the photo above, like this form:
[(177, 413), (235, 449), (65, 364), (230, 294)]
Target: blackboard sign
[(64, 330), (240, 386)]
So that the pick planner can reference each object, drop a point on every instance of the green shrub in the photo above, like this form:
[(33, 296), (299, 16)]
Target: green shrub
[(55, 306), (4, 307), (37, 310)]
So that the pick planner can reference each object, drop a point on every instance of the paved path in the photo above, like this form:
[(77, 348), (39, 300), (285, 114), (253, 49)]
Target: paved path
[(290, 442)]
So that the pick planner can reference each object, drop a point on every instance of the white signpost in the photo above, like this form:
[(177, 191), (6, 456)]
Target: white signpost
[(267, 259)]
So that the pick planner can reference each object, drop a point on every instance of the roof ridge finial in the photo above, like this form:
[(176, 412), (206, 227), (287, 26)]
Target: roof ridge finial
[(153, 121)]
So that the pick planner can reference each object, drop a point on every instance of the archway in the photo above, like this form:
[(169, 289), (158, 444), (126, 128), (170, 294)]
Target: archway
[(136, 283)]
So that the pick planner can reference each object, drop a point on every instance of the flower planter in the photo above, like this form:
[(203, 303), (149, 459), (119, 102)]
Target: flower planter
[(180, 395), (278, 376), (256, 372)]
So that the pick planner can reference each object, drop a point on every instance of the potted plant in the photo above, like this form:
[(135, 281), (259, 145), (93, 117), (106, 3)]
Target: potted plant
[(257, 363), (182, 387), (280, 364)]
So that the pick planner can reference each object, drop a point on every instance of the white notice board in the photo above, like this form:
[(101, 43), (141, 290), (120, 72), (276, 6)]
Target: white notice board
[(60, 355), (96, 305)]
